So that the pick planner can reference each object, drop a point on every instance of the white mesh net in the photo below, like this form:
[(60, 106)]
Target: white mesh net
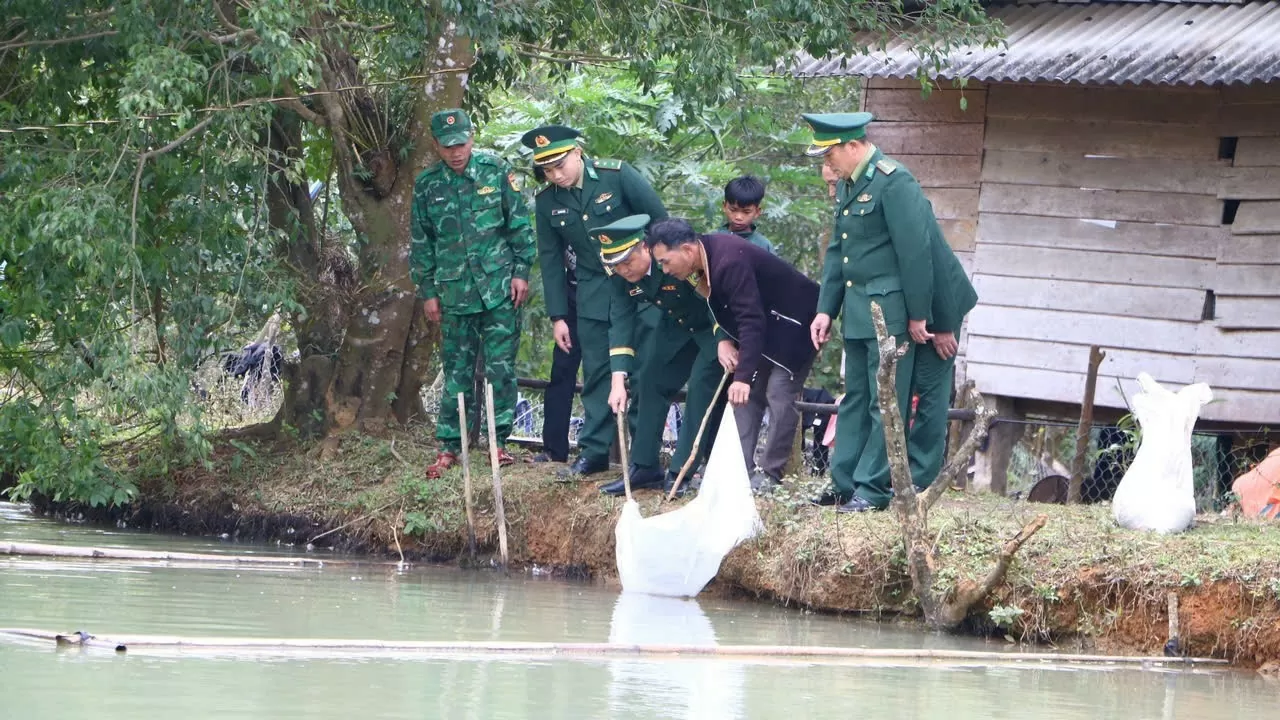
[(677, 553)]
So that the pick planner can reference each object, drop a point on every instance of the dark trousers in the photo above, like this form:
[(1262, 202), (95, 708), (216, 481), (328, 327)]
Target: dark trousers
[(557, 401)]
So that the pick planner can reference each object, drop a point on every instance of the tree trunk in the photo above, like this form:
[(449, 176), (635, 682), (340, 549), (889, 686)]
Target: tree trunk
[(366, 346)]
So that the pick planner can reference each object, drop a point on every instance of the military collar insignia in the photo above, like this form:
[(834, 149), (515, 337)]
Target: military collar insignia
[(603, 197), (514, 181), (635, 291), (486, 190), (560, 211), (864, 197), (541, 141)]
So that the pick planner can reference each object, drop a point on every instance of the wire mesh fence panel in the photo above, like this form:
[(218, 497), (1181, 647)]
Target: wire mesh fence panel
[(1040, 464)]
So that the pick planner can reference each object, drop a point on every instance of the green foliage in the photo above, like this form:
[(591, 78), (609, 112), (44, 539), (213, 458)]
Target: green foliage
[(689, 154), (1004, 616), (136, 239)]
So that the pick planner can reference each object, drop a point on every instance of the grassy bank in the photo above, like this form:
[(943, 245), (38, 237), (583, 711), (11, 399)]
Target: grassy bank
[(1080, 583)]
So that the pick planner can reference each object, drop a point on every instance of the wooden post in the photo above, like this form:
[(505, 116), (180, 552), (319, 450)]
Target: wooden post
[(1174, 644), (466, 477), (1096, 356), (991, 467), (498, 506)]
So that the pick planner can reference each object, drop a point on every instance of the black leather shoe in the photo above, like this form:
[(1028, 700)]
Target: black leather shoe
[(642, 478), (544, 457), (856, 505), (584, 466), (826, 498), (669, 480)]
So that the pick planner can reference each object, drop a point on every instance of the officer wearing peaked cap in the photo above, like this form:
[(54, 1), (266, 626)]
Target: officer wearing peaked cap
[(682, 349), (880, 252), (583, 193)]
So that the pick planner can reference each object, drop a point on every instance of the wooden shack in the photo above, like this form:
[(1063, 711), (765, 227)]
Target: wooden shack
[(1113, 179)]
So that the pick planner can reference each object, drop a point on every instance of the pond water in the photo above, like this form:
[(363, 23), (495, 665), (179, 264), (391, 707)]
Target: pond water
[(378, 601)]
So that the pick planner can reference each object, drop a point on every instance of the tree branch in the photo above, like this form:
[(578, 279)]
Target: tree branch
[(306, 113), (967, 597), (983, 414), (58, 41)]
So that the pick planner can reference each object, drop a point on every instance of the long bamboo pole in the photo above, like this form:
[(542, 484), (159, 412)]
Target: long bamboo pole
[(568, 650), (78, 551), (499, 506), (697, 440), (622, 448), (466, 477)]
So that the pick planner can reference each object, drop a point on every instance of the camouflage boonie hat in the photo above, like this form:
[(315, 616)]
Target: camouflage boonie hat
[(451, 127)]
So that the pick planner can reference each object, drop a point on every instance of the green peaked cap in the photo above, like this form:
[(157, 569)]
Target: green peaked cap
[(549, 142), (831, 129), (451, 127), (619, 238)]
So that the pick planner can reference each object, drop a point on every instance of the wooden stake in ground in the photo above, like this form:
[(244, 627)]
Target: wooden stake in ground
[(693, 453), (1096, 355), (622, 448), (912, 508), (498, 506), (466, 477)]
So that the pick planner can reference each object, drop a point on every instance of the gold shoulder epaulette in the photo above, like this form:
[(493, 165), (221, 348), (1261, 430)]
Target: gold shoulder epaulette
[(886, 166), (609, 164)]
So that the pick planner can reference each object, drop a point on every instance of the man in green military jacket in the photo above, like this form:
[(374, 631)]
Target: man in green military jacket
[(470, 256), (682, 349), (584, 193), (935, 364), (880, 252)]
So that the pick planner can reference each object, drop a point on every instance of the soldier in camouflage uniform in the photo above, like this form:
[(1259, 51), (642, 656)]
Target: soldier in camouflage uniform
[(471, 254), (584, 193)]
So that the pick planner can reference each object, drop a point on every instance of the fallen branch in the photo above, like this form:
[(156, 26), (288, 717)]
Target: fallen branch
[(912, 508), (349, 523)]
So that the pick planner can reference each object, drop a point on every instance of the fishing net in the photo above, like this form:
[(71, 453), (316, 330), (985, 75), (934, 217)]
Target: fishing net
[(677, 553)]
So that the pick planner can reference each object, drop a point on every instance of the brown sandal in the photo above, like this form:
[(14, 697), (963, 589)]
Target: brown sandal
[(444, 461)]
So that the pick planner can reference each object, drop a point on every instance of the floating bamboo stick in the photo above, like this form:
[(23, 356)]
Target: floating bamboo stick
[(466, 477), (569, 650), (498, 505), (75, 551)]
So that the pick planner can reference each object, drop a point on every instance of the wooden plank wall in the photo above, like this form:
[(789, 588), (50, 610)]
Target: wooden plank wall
[(941, 144), (1101, 221)]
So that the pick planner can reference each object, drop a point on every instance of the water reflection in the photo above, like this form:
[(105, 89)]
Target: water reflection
[(689, 688)]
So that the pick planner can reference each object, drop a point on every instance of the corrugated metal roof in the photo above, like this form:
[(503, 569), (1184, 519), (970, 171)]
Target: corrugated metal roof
[(1130, 42)]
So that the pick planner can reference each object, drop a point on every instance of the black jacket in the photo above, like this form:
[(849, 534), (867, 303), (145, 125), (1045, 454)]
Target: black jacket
[(761, 302)]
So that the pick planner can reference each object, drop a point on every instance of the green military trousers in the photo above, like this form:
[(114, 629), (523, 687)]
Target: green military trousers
[(599, 429), (859, 463), (931, 382), (676, 357), (496, 333)]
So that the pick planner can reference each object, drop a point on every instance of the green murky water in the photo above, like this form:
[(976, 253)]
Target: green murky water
[(379, 601)]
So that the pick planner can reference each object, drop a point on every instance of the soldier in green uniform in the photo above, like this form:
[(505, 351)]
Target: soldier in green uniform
[(880, 252), (934, 372), (471, 252), (681, 349), (584, 193)]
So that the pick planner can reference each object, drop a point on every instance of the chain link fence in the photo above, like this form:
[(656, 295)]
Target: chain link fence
[(1040, 466)]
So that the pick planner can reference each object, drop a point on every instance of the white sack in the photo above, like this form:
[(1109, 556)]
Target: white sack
[(1157, 492)]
